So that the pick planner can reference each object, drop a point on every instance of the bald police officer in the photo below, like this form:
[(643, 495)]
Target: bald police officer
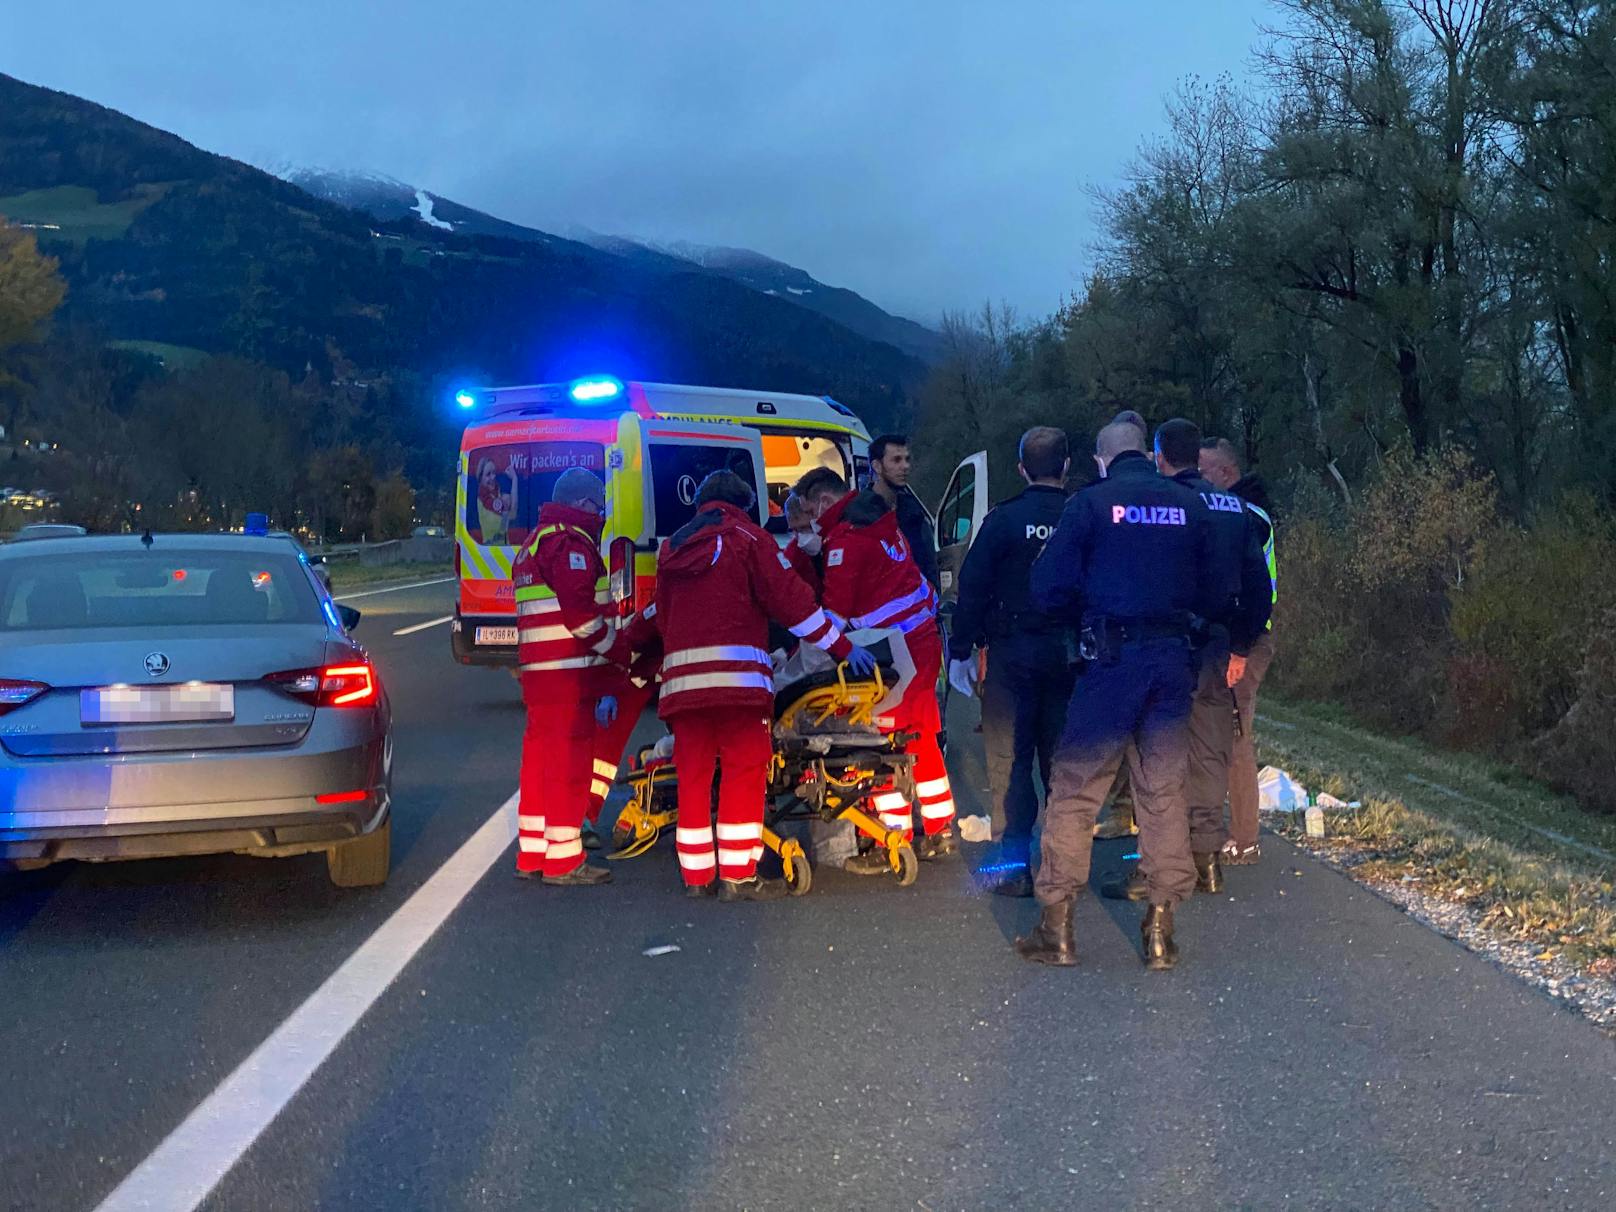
[(1129, 560)]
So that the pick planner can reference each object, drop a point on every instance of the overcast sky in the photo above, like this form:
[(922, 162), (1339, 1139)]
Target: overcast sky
[(929, 155)]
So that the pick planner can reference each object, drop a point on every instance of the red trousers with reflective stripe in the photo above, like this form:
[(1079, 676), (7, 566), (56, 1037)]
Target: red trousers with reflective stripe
[(557, 756), (918, 712), (610, 741), (735, 743)]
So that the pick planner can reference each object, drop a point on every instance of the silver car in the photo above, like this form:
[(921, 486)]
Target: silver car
[(186, 694)]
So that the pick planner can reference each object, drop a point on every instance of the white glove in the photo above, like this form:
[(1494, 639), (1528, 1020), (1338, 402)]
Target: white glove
[(962, 676)]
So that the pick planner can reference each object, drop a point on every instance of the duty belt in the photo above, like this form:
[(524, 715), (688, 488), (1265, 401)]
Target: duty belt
[(1101, 638)]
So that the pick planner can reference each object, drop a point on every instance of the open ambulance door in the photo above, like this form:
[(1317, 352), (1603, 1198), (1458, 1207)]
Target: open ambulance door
[(653, 472), (959, 518)]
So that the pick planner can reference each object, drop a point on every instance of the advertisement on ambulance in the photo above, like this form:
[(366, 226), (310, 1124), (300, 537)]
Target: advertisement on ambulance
[(506, 485)]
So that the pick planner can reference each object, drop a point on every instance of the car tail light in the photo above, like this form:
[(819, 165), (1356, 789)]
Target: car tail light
[(333, 686), (342, 797), (15, 692), (620, 566)]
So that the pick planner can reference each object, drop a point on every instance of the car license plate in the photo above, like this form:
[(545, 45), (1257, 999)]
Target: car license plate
[(188, 703), (496, 635)]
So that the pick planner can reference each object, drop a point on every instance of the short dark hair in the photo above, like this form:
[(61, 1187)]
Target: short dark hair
[(818, 482), (1179, 442), (1227, 450), (878, 448), (1044, 452), (727, 487), (1129, 417)]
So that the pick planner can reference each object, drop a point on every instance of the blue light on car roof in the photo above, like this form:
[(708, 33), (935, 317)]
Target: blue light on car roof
[(466, 399), (597, 389)]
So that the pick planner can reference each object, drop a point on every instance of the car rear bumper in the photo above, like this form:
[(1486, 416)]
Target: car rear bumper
[(463, 641), (261, 827)]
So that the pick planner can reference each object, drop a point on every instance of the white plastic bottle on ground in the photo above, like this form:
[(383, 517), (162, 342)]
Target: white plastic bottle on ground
[(1315, 821)]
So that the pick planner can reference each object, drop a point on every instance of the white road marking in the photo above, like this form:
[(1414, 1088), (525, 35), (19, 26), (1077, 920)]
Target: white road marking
[(448, 618), (180, 1172), (370, 593)]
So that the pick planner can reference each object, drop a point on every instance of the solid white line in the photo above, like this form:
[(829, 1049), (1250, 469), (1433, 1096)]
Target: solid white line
[(448, 618), (181, 1171), (370, 593)]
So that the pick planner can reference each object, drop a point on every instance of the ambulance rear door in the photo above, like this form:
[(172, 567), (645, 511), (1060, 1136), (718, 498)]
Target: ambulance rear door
[(655, 470), (959, 518)]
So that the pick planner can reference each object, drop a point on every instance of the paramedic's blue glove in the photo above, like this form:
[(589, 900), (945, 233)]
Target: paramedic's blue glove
[(606, 711), (861, 661)]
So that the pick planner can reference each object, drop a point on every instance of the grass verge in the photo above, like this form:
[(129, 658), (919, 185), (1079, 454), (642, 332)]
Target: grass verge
[(1533, 865), (349, 575)]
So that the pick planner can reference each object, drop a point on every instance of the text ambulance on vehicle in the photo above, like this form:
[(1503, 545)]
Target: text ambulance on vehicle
[(652, 444)]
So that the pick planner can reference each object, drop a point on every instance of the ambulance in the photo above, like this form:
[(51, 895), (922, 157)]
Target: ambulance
[(652, 444)]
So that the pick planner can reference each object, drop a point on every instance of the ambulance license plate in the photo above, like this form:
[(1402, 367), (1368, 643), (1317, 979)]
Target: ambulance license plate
[(496, 635)]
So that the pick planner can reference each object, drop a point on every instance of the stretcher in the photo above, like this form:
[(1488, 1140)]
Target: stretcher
[(829, 760)]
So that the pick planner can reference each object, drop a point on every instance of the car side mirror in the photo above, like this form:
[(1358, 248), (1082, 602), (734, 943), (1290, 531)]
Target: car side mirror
[(349, 616)]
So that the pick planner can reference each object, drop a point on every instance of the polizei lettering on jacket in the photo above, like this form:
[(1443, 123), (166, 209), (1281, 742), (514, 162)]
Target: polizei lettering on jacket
[(1148, 515), (1222, 502)]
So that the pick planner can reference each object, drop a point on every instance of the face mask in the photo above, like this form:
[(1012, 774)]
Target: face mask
[(809, 542)]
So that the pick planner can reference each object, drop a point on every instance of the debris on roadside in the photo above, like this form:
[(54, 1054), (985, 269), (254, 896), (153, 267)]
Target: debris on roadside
[(664, 949), (1278, 792)]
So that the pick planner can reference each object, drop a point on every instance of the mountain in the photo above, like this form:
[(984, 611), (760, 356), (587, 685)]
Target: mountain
[(162, 242), (388, 199)]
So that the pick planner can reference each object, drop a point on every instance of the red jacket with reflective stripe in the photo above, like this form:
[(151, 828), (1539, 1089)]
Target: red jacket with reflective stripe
[(720, 580), (559, 579), (871, 578)]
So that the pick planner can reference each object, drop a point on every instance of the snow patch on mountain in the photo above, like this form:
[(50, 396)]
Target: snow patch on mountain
[(423, 207)]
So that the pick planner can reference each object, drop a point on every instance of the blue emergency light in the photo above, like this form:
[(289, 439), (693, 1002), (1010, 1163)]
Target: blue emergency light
[(257, 523), (597, 389), (466, 399)]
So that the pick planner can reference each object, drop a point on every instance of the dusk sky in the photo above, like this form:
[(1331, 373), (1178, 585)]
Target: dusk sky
[(929, 155)]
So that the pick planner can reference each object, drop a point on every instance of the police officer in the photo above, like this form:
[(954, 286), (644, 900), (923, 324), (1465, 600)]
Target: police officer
[(1239, 574), (1029, 675), (1129, 559)]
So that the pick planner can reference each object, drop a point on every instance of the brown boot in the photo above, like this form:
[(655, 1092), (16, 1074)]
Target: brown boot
[(1161, 953), (1051, 941), (1208, 874)]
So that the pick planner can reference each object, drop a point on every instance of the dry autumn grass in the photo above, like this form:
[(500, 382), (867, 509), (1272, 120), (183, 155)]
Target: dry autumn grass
[(1534, 865)]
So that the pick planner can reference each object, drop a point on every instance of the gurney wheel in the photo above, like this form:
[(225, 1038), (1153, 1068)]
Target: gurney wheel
[(908, 866), (799, 873)]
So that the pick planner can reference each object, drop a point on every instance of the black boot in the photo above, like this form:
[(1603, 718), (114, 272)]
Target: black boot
[(1051, 940), (585, 875), (1013, 883), (1208, 874), (1133, 888), (1161, 953), (754, 889), (936, 845)]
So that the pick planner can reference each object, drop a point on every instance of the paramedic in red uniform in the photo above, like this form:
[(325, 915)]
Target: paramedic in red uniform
[(563, 640), (873, 582), (720, 579)]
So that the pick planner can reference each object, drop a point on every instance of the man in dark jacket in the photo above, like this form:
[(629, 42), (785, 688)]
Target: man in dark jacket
[(1220, 464), (1029, 674), (889, 477), (1129, 561), (1240, 575)]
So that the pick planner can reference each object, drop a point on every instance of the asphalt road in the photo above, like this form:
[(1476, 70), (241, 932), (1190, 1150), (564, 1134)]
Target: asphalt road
[(865, 1047)]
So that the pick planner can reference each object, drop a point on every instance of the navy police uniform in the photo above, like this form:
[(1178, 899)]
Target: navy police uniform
[(1131, 559), (1029, 675), (1240, 576)]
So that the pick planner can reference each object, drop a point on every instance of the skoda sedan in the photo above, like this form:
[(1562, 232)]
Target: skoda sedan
[(186, 694)]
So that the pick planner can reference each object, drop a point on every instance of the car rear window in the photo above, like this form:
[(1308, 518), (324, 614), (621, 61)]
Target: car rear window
[(155, 589)]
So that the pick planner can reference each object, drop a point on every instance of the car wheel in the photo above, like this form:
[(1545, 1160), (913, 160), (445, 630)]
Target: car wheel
[(363, 862)]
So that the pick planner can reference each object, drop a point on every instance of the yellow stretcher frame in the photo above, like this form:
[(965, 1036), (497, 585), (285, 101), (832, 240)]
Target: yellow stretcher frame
[(642, 820)]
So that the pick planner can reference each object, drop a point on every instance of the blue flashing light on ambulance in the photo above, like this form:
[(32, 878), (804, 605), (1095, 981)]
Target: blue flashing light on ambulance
[(652, 444)]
